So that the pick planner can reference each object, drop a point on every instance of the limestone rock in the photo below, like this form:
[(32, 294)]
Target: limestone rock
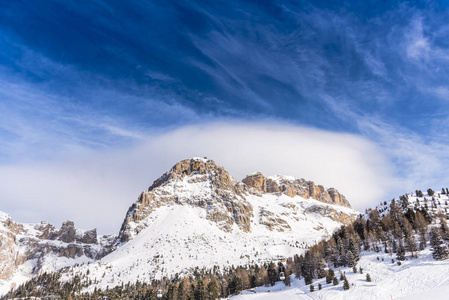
[(89, 237), (67, 232), (214, 190), (291, 186), (201, 183), (23, 242)]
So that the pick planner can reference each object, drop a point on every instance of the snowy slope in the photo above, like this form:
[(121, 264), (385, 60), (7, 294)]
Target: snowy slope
[(179, 238), (197, 215), (422, 278)]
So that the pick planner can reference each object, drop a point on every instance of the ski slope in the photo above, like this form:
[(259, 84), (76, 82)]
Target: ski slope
[(421, 278)]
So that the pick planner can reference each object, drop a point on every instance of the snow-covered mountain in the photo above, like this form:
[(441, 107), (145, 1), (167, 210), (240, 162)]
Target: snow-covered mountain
[(195, 215), (29, 249)]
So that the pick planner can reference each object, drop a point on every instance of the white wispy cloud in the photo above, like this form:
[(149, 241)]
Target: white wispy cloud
[(96, 188), (418, 45)]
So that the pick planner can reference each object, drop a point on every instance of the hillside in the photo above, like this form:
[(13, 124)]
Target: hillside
[(198, 216), (421, 278), (417, 274)]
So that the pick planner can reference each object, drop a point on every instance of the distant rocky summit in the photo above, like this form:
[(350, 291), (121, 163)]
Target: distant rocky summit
[(45, 248)]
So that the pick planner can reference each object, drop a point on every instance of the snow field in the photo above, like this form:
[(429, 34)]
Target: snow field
[(415, 279), (179, 238)]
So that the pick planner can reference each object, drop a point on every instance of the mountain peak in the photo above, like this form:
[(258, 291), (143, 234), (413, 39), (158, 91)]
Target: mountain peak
[(201, 183), (193, 167), (197, 182)]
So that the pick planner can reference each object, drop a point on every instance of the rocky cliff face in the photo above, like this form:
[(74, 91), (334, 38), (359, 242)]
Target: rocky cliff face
[(201, 183), (195, 182), (291, 187), (197, 210), (46, 248)]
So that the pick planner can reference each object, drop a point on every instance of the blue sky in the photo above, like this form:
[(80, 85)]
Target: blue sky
[(83, 79)]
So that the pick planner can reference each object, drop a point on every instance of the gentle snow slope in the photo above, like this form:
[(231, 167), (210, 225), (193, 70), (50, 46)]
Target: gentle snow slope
[(415, 279)]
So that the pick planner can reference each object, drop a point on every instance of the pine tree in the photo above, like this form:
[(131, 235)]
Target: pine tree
[(312, 288), (328, 278), (401, 251), (262, 277), (395, 246), (411, 245), (335, 281), (272, 273), (235, 286), (172, 293), (350, 259), (444, 229), (287, 281), (422, 241), (243, 274), (434, 237), (345, 284), (212, 290), (342, 261), (354, 248), (439, 249), (368, 277), (298, 260), (307, 278), (444, 251)]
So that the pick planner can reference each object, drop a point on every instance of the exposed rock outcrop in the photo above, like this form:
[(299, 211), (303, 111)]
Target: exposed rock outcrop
[(22, 242), (197, 182), (200, 182), (294, 187)]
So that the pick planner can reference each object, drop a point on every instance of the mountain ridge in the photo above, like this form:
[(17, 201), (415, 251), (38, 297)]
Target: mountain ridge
[(192, 211), (222, 188)]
